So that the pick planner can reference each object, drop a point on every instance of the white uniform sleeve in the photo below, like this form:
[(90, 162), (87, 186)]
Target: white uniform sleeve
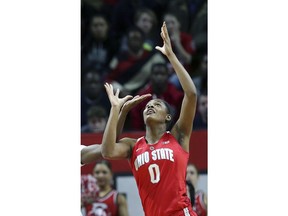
[(81, 147)]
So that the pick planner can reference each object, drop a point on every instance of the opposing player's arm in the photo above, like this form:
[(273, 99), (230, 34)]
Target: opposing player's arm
[(183, 127), (122, 205), (90, 154)]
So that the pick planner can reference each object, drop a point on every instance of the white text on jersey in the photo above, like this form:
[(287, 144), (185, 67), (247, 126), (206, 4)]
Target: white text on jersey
[(157, 154)]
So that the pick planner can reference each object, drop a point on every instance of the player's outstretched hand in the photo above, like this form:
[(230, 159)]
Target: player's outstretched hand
[(166, 49), (129, 104), (114, 98)]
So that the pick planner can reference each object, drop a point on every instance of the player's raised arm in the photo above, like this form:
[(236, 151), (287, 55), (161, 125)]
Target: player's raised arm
[(110, 149), (183, 127)]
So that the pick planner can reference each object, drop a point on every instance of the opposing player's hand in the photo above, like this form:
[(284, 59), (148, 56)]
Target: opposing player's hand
[(114, 98), (166, 49), (129, 104)]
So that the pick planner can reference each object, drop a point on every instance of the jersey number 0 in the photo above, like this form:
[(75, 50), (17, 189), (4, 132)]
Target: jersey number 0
[(154, 172)]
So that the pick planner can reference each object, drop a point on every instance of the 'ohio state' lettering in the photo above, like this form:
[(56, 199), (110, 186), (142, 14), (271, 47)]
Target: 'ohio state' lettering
[(157, 154)]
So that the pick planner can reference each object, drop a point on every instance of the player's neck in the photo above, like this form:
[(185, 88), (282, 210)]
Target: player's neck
[(154, 133)]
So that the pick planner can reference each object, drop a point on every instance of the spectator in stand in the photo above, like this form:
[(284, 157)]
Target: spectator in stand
[(146, 20), (89, 190), (181, 41), (88, 9), (131, 69), (190, 192), (122, 17), (199, 75), (200, 121), (200, 201), (181, 9), (98, 48), (93, 93), (159, 87), (124, 14), (107, 201), (97, 118), (199, 28)]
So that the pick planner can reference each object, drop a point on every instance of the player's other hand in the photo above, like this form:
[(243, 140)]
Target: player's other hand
[(166, 49), (114, 97), (129, 104)]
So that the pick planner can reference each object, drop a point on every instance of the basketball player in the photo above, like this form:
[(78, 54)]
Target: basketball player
[(200, 205), (158, 159), (107, 201)]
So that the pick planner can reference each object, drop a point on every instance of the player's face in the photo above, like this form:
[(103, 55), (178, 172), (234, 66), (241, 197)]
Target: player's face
[(102, 174), (192, 175), (155, 110)]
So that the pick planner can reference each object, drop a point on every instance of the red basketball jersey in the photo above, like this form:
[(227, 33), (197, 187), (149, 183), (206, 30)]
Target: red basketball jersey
[(103, 206), (199, 205), (159, 170)]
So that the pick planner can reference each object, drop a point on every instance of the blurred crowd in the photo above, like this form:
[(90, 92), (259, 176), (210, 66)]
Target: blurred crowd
[(118, 39)]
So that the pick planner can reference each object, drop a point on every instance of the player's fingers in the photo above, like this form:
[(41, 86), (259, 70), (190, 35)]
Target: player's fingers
[(158, 48), (142, 98), (161, 34), (108, 90), (146, 95), (111, 88), (117, 92), (166, 36), (127, 97), (106, 86)]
